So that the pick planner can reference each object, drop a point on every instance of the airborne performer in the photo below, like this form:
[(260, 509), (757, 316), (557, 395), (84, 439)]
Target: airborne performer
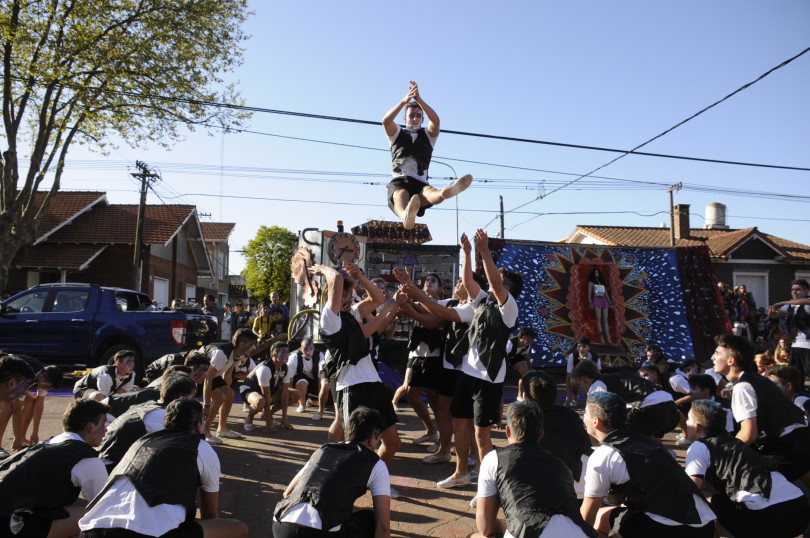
[(409, 193)]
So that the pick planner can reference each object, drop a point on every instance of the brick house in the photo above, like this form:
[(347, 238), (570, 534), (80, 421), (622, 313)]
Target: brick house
[(764, 263), (84, 238)]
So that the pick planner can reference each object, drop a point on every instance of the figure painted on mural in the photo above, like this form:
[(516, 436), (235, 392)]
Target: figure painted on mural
[(599, 301)]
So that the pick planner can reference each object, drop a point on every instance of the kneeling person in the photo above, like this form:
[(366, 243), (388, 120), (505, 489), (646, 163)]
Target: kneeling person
[(153, 490), (753, 500), (534, 487), (321, 496)]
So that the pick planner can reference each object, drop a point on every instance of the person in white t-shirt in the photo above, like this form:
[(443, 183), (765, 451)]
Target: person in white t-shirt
[(477, 400), (409, 193), (153, 490), (325, 489)]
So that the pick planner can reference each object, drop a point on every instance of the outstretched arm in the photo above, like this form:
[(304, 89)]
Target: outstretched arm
[(472, 287), (375, 295), (388, 120), (433, 118), (493, 275), (424, 317), (447, 314), (334, 282)]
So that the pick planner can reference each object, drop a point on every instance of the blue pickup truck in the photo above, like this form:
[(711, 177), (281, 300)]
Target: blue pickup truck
[(84, 325)]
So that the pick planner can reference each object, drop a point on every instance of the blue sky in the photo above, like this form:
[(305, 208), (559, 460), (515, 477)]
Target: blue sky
[(591, 73)]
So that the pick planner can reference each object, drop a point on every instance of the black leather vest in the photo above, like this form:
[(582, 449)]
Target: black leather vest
[(419, 150), (737, 467), (631, 388), (38, 478), (90, 381), (348, 345), (533, 486), (775, 411), (336, 476), (658, 484), (252, 380), (227, 348), (125, 430), (156, 368), (162, 466), (433, 338), (565, 437), (455, 332), (120, 403), (516, 350), (316, 359), (489, 333), (799, 320)]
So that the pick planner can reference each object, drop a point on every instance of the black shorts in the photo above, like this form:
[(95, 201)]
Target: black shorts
[(800, 359), (656, 420), (218, 382), (517, 359), (789, 517), (448, 379), (425, 372), (187, 529), (477, 399), (374, 395), (313, 385), (33, 526), (412, 186), (632, 524)]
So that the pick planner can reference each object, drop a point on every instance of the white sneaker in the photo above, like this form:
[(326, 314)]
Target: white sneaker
[(316, 416), (409, 217), (301, 408), (474, 502), (683, 442), (457, 187), (248, 426), (213, 440)]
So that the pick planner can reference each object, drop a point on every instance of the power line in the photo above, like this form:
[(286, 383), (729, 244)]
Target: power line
[(693, 116)]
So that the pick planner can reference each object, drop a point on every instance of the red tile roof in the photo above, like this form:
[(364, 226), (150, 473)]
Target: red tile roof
[(217, 231), (117, 223), (75, 257), (720, 242), (64, 206)]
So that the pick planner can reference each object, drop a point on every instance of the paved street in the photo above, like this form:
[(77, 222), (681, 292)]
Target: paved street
[(257, 468)]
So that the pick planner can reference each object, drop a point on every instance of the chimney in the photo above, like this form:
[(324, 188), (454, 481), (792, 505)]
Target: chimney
[(681, 221)]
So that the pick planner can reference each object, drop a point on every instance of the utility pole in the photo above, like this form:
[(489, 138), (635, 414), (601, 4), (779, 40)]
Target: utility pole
[(501, 197), (670, 190), (147, 177)]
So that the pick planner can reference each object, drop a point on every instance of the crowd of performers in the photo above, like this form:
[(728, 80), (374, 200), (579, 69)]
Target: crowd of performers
[(141, 455)]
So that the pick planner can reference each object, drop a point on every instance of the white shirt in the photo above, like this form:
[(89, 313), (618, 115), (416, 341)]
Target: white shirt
[(379, 483), (569, 365), (409, 166), (89, 474), (679, 382), (351, 374), (698, 460), (221, 362), (606, 466), (559, 526), (292, 366), (471, 364), (744, 406), (801, 339), (122, 507)]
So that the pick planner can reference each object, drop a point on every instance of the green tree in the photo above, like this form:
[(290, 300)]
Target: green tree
[(268, 258), (87, 70)]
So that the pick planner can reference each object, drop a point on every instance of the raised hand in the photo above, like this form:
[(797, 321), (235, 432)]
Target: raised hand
[(481, 241), (353, 269), (402, 276), (465, 244)]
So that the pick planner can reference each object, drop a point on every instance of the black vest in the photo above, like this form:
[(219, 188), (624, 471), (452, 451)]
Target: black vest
[(38, 478), (316, 359), (737, 467), (433, 338), (775, 411), (799, 321), (489, 333), (533, 486), (455, 332), (124, 431), (666, 386), (90, 380), (565, 437), (348, 345), (156, 368), (162, 466), (252, 379), (120, 403), (657, 483), (631, 388), (419, 150), (210, 349), (516, 349), (336, 476)]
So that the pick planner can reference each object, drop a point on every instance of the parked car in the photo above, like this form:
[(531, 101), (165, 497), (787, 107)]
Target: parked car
[(84, 325)]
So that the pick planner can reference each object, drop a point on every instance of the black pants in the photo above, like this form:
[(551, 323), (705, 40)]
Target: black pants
[(783, 520), (360, 525)]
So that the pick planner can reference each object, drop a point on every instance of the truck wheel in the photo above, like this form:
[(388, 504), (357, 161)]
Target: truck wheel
[(108, 356)]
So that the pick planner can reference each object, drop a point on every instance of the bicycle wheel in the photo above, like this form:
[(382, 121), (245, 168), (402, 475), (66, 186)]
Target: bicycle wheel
[(302, 324)]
